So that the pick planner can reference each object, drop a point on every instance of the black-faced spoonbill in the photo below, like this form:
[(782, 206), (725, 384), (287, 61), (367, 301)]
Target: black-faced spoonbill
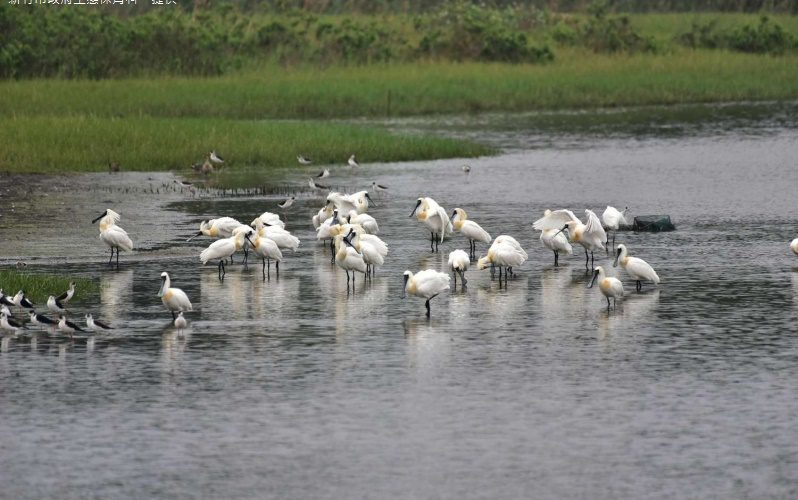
[(458, 264), (556, 241), (613, 218), (469, 229), (434, 217), (267, 250), (112, 235), (174, 299), (426, 284), (637, 269), (590, 235), (609, 286)]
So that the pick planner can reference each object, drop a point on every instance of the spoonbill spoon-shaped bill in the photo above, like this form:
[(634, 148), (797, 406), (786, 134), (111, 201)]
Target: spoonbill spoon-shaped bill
[(10, 324), (378, 187), (610, 287), (180, 323), (469, 229), (174, 299), (348, 259), (94, 325), (21, 301), (324, 173), (67, 326), (434, 217), (266, 249), (458, 264), (67, 296), (107, 219), (613, 219), (505, 253), (55, 306), (637, 269), (426, 284), (352, 161), (215, 158), (794, 246), (41, 320), (287, 203), (590, 235), (556, 241), (217, 228), (362, 201), (304, 160), (221, 250)]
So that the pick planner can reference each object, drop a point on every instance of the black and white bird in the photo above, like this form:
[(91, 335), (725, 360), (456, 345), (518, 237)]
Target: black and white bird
[(287, 203), (324, 173), (5, 300), (55, 306), (68, 327), (466, 169), (67, 296), (42, 320), (95, 325), (9, 323), (215, 158), (315, 185), (21, 301), (377, 188), (303, 160), (353, 162)]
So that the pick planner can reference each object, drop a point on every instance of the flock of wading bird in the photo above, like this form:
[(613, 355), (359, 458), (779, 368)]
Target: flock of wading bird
[(356, 248)]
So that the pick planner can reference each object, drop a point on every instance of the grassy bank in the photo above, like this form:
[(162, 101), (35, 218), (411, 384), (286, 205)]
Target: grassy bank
[(39, 286), (580, 80), (86, 143)]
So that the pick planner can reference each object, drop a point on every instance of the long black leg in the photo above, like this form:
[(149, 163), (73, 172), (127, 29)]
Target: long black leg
[(427, 304), (556, 258), (117, 257), (277, 266), (455, 278), (639, 285), (608, 304), (592, 265), (112, 256), (462, 278), (432, 242), (436, 244), (264, 267), (173, 316), (587, 258), (246, 256)]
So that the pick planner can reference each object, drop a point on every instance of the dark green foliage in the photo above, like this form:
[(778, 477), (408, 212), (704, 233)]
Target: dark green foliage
[(603, 32), (764, 37)]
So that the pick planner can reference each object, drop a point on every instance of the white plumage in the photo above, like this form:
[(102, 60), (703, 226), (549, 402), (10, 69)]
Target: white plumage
[(609, 286), (505, 252), (434, 217), (794, 246), (590, 235), (613, 219), (284, 239), (268, 218), (637, 269), (556, 241), (174, 299), (425, 284), (266, 249), (458, 264), (366, 221)]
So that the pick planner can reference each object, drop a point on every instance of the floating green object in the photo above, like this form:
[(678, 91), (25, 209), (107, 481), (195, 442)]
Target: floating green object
[(653, 223)]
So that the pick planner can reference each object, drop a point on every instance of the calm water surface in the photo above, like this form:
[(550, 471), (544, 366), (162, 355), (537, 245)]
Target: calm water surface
[(293, 388)]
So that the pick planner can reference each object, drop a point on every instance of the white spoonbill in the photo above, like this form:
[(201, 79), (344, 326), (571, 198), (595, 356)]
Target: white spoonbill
[(112, 235), (470, 230), (342, 202), (371, 247), (67, 326), (284, 239), (269, 218), (637, 269), (590, 235), (426, 284), (794, 246), (217, 228), (505, 252), (362, 201), (434, 217), (267, 250), (222, 249), (95, 325), (458, 264), (556, 241), (613, 219), (174, 299), (348, 259), (367, 222), (180, 323), (609, 286)]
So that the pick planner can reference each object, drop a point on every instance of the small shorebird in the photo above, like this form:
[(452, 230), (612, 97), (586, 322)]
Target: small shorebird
[(324, 173), (42, 320), (218, 160), (21, 301), (315, 185), (180, 323), (378, 188), (353, 162), (95, 325), (287, 203), (67, 326), (466, 169), (54, 305), (303, 160), (9, 323), (5, 300), (67, 296)]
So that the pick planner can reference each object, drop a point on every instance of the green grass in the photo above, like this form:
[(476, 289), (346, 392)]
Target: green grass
[(578, 79), (84, 143), (38, 287)]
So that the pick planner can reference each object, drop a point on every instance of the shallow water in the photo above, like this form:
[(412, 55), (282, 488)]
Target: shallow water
[(294, 388)]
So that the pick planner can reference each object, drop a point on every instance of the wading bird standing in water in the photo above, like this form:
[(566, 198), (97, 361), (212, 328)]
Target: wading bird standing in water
[(425, 284), (469, 229), (590, 235), (434, 217), (613, 219), (458, 264), (609, 286), (556, 241), (112, 235), (637, 269), (174, 299)]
